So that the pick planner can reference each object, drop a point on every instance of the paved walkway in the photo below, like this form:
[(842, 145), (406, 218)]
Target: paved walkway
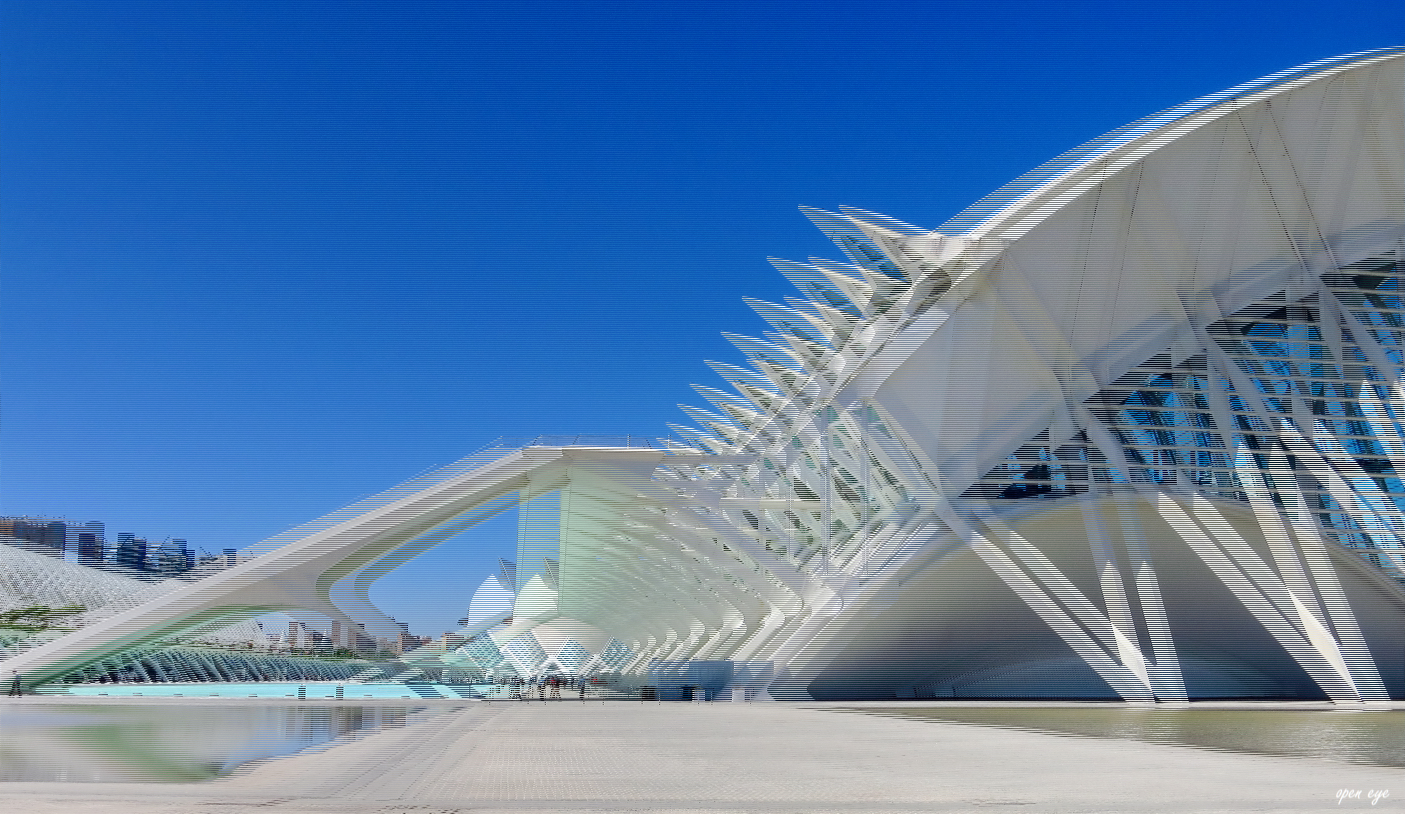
[(678, 758)]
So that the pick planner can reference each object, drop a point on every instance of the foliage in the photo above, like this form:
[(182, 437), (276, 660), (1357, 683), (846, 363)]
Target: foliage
[(37, 617)]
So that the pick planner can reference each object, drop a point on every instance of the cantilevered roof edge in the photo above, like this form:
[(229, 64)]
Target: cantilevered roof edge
[(1006, 197)]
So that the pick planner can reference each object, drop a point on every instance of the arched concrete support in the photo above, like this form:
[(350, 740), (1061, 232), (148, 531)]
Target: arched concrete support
[(301, 573)]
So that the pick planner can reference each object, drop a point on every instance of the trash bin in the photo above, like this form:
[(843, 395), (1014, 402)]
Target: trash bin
[(648, 693)]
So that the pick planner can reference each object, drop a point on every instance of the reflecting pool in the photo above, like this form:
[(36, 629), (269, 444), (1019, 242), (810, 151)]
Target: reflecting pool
[(1375, 737), (125, 742)]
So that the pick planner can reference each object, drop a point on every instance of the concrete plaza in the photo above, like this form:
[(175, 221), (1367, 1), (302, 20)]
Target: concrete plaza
[(727, 757)]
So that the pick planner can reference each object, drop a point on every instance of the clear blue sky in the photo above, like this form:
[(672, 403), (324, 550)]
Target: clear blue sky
[(258, 260)]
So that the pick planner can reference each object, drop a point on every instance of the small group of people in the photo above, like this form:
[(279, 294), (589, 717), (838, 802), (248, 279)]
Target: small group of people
[(548, 687)]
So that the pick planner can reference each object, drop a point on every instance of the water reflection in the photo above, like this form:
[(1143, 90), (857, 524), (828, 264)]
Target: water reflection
[(120, 742), (1375, 737)]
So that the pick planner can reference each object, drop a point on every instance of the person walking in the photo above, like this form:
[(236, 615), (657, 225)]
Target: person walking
[(16, 686), (581, 682), (556, 688)]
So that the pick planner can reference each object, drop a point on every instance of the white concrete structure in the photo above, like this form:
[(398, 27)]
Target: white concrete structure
[(1131, 427)]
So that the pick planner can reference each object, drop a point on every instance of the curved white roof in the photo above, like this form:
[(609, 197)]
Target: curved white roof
[(982, 212), (1126, 247)]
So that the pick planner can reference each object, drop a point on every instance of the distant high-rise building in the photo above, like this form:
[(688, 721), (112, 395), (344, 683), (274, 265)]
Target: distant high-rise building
[(45, 535), (186, 552), (131, 551), (90, 542), (90, 549), (173, 557), (361, 643), (88, 539)]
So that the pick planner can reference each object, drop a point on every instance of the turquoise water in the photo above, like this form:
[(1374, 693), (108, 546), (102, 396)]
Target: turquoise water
[(174, 741), (311, 690)]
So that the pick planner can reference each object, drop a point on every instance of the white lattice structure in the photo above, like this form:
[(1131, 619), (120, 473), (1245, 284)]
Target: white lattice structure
[(29, 580)]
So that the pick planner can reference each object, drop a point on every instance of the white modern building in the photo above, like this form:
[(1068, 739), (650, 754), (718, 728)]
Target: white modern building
[(1131, 427)]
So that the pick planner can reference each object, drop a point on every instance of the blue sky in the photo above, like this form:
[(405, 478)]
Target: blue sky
[(259, 260)]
